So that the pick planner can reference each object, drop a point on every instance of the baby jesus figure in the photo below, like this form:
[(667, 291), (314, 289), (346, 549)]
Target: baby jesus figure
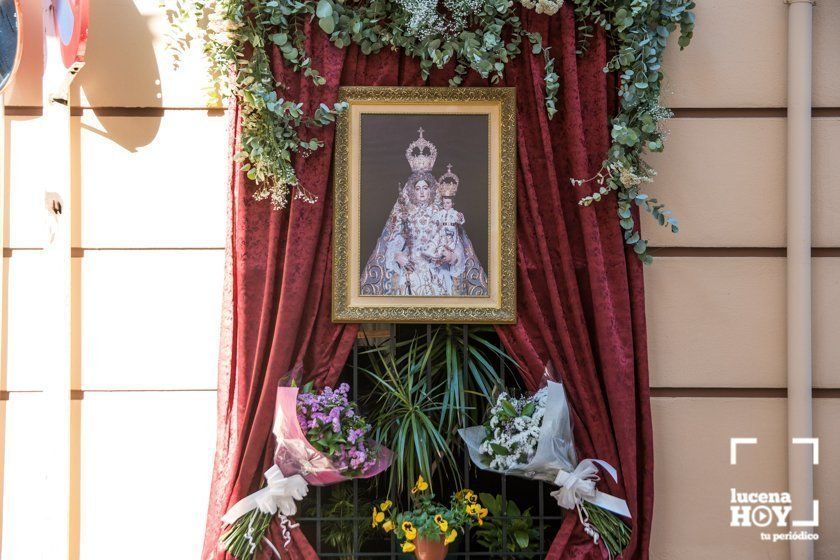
[(449, 254), (448, 220)]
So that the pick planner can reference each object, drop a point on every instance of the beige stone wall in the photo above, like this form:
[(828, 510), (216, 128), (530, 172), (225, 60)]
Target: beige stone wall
[(148, 165)]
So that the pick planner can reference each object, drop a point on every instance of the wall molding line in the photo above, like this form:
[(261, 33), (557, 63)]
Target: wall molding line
[(679, 112), (655, 392), (737, 392), (663, 252)]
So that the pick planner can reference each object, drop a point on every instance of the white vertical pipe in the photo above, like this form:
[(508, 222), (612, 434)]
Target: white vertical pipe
[(799, 383), (55, 178)]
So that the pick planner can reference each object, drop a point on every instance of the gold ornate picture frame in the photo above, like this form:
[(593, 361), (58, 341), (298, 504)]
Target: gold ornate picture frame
[(425, 206)]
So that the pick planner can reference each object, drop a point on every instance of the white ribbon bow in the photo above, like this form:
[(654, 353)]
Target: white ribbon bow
[(579, 485), (576, 486), (279, 495)]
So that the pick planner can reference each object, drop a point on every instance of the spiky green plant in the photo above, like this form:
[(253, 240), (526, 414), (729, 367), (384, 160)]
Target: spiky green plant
[(409, 413), (424, 389)]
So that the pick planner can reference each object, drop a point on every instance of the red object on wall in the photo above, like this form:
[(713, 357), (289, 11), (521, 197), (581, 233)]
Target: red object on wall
[(581, 299), (71, 24)]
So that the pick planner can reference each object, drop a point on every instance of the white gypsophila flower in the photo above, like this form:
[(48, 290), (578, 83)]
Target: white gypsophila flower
[(517, 435), (426, 21), (547, 7)]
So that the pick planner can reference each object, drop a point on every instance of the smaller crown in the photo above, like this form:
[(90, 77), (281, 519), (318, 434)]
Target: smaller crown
[(421, 154), (448, 182)]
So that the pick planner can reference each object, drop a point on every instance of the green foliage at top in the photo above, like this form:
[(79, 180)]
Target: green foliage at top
[(478, 35), (639, 31)]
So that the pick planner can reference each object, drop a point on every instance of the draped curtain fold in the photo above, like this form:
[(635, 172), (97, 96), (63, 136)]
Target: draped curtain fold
[(580, 291)]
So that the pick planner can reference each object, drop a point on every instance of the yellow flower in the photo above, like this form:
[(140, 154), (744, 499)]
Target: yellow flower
[(482, 513), (408, 547), (453, 534), (473, 509), (376, 518), (388, 526), (386, 505), (466, 495), (472, 498), (442, 523), (421, 485), (409, 530)]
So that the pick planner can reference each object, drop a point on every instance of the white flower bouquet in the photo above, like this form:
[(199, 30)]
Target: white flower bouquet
[(512, 430), (531, 437)]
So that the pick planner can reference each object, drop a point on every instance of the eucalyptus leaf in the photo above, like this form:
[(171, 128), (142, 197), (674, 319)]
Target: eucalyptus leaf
[(324, 9), (327, 24)]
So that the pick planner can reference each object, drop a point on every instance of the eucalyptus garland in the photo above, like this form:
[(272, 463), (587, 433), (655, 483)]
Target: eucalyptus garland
[(478, 35), (639, 30)]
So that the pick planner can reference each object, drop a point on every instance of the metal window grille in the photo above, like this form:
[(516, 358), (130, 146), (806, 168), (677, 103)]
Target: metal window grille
[(317, 523)]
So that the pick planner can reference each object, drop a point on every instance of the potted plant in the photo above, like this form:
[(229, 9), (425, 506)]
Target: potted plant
[(508, 528), (430, 527)]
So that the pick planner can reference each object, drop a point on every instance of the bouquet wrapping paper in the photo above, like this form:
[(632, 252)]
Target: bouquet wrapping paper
[(555, 461), (297, 465)]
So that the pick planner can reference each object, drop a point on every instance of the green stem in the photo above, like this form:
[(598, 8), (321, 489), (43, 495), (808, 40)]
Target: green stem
[(615, 533), (237, 540)]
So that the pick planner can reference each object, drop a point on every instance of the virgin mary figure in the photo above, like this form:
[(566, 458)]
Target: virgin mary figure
[(417, 254)]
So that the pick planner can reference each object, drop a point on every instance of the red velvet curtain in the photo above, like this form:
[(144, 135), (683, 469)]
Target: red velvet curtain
[(580, 294), (580, 288)]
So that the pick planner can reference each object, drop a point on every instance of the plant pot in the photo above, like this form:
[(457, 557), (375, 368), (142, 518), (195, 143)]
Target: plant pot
[(430, 550)]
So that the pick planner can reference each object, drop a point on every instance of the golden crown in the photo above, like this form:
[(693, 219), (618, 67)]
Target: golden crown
[(448, 182), (421, 154)]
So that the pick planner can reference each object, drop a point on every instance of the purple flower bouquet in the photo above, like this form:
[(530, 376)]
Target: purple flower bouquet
[(321, 436), (321, 440)]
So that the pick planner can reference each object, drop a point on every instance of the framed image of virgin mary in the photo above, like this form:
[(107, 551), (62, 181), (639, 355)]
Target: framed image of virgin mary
[(425, 182)]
